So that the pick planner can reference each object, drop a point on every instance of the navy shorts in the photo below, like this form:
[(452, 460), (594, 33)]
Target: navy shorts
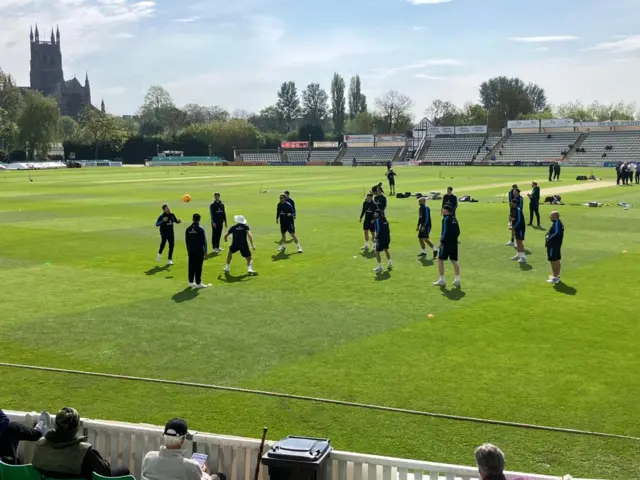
[(287, 227), (448, 252), (382, 246), (518, 233), (424, 233), (244, 250), (554, 254), (369, 225)]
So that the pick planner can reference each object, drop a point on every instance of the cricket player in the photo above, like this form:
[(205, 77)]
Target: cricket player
[(553, 242), (518, 228), (285, 216), (383, 240), (241, 237), (448, 246), (424, 228), (165, 223), (368, 225)]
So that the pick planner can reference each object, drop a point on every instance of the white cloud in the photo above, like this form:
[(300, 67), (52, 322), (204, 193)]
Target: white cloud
[(542, 49), (122, 36), (557, 38), (428, 2), (382, 73), (624, 45), (426, 76), (187, 20)]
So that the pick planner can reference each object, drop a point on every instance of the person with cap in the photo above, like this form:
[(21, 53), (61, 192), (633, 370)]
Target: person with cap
[(369, 207), (63, 453), (451, 200), (218, 219), (165, 223), (518, 229), (534, 203), (513, 196), (424, 228), (290, 202), (240, 233), (448, 246), (169, 463), (391, 177), (490, 461), (383, 240), (12, 433), (553, 243), (196, 240), (379, 199), (285, 215)]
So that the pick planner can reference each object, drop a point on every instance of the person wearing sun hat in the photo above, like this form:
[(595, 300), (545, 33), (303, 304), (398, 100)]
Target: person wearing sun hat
[(64, 453), (169, 463), (241, 237)]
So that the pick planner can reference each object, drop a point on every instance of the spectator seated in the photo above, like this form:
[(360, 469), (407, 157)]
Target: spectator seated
[(453, 149), (375, 155), (619, 147), (12, 433), (536, 147)]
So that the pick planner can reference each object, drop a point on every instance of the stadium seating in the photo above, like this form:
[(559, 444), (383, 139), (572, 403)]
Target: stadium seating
[(536, 147), (458, 149), (324, 155), (492, 142), (18, 472), (297, 156), (370, 154), (261, 157), (626, 147)]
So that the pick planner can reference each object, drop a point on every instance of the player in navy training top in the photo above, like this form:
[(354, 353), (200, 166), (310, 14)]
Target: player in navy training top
[(380, 199), (196, 240), (284, 216), (241, 236), (424, 228), (518, 227), (553, 242), (368, 225), (383, 239), (218, 220), (448, 246), (391, 176), (165, 223), (513, 194), (451, 200), (290, 202)]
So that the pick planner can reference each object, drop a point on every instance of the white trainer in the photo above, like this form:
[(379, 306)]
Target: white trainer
[(250, 269), (510, 244), (169, 262), (516, 258), (365, 248), (227, 269), (158, 257), (553, 280), (456, 283), (378, 269), (522, 260), (440, 283), (192, 285), (203, 285), (299, 249)]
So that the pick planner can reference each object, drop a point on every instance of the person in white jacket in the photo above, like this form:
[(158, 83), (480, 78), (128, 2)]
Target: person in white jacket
[(170, 463)]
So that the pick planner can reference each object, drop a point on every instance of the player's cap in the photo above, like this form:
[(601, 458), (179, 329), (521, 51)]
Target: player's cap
[(240, 219), (286, 192), (176, 427)]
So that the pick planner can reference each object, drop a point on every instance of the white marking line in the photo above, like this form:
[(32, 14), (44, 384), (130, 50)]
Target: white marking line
[(579, 187), (177, 179)]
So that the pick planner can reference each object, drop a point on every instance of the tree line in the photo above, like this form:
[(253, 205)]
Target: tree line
[(30, 123)]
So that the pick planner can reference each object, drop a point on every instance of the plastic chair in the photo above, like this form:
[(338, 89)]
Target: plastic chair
[(100, 477), (18, 472)]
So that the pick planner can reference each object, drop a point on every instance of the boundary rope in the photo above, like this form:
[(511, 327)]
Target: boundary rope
[(322, 400)]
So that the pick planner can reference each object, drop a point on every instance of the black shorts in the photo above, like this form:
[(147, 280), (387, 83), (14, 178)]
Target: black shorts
[(381, 246), (244, 250), (518, 233), (369, 225), (287, 227), (424, 233), (448, 252), (554, 254)]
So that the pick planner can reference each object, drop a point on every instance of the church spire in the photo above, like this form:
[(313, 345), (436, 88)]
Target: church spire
[(31, 34), (104, 110), (53, 38), (37, 34), (86, 79)]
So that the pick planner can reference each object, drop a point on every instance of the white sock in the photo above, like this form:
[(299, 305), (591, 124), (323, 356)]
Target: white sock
[(389, 262), (435, 249), (228, 265), (379, 265), (442, 278), (424, 250), (457, 278), (298, 245)]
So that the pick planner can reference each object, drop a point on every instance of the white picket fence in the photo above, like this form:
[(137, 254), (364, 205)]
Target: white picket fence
[(126, 444)]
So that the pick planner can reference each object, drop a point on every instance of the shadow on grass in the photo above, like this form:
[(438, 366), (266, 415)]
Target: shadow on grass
[(426, 262), (278, 242), (228, 278), (280, 256), (368, 254), (455, 294), (525, 267), (565, 289), (157, 269), (185, 295), (381, 277)]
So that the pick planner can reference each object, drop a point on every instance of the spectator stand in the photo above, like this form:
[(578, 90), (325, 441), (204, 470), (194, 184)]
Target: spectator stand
[(126, 444)]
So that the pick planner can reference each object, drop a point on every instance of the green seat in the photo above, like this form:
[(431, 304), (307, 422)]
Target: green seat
[(100, 477), (18, 472)]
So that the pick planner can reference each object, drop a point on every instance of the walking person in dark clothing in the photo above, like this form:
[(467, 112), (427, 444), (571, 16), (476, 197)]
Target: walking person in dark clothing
[(551, 172), (556, 171), (534, 203), (290, 202), (196, 240), (391, 176), (380, 200), (424, 228), (513, 195), (448, 247), (618, 173), (383, 240), (637, 170), (284, 216), (369, 207), (12, 433), (553, 242), (165, 222), (451, 200), (218, 220)]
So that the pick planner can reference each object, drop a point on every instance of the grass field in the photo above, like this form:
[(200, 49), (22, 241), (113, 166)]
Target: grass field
[(79, 288)]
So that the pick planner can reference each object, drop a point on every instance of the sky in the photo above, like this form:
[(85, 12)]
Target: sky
[(236, 53)]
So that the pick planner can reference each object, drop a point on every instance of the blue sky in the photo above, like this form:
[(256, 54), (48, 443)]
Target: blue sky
[(235, 53)]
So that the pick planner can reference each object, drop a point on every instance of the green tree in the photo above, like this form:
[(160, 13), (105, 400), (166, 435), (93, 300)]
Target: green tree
[(223, 136), (596, 112), (473, 114), (364, 123), (158, 113), (442, 112), (338, 103), (38, 124), (357, 101), (68, 128), (507, 98), (546, 114), (314, 104), (394, 109), (311, 132), (268, 120), (288, 104), (100, 129), (11, 104)]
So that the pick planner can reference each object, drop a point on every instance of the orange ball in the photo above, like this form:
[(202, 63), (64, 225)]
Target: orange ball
[(186, 198)]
